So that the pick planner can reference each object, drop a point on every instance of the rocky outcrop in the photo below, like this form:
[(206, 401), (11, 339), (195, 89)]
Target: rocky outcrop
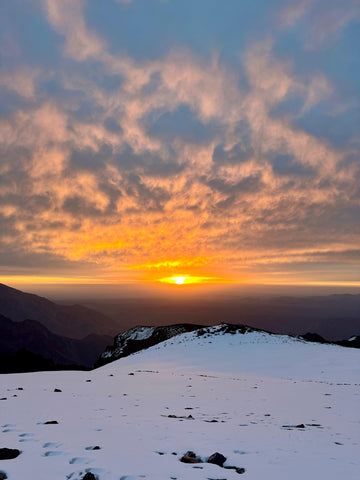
[(139, 338)]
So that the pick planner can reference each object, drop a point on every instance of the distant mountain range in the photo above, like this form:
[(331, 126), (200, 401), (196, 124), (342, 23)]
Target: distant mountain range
[(20, 341), (37, 334), (74, 321), (334, 317)]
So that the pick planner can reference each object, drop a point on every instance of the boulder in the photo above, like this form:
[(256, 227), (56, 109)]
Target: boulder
[(190, 457), (9, 453), (89, 476), (217, 459)]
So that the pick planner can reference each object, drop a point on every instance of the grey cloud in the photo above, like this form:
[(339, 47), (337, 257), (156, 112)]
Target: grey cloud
[(239, 153), (287, 165), (250, 184)]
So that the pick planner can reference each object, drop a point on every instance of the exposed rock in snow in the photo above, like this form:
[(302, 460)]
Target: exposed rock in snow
[(9, 453), (268, 403), (140, 337)]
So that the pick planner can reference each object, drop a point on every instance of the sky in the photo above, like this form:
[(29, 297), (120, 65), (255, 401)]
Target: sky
[(147, 141)]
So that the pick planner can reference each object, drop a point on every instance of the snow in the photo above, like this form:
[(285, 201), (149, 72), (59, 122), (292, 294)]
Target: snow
[(245, 392), (136, 333)]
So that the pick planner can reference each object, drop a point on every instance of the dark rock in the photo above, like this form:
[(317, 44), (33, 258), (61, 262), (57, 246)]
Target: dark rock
[(128, 342), (239, 470), (313, 337), (89, 476), (301, 425), (190, 457), (96, 447), (57, 390), (217, 459), (3, 476), (4, 398), (51, 422), (9, 453), (190, 454)]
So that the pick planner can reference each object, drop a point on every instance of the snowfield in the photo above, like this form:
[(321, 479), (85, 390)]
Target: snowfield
[(279, 407)]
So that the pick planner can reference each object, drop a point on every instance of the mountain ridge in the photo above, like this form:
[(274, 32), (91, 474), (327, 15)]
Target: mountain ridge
[(141, 337), (73, 321), (35, 338)]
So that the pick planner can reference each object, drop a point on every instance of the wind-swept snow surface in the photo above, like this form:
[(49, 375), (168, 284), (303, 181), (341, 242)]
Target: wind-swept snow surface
[(278, 407)]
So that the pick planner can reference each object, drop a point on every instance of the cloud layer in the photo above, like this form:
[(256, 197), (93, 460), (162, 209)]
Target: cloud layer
[(182, 162)]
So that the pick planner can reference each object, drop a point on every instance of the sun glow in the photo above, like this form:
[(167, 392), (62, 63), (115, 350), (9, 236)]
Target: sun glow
[(189, 279), (179, 280)]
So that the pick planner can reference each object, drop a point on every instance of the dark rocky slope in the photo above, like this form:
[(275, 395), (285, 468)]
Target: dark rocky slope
[(72, 321), (139, 338), (32, 336)]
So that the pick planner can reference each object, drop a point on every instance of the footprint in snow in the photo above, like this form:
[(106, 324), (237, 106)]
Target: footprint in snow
[(77, 460), (52, 453), (51, 445)]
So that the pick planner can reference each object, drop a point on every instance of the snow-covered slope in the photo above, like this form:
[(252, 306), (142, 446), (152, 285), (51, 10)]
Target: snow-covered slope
[(279, 407)]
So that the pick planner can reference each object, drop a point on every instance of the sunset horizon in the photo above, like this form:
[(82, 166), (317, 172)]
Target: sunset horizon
[(146, 141)]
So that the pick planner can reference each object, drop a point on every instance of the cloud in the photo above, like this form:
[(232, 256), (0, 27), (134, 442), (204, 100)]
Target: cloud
[(325, 18), (67, 18), (179, 158)]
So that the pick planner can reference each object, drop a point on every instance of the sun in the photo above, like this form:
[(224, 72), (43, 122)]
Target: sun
[(187, 280)]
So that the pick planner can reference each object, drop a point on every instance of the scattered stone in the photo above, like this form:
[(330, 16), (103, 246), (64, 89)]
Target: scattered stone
[(190, 457), (3, 476), (51, 422), (217, 459), (20, 388), (301, 425), (338, 443), (9, 453), (239, 470), (57, 390), (211, 421), (89, 476), (87, 380), (4, 398), (189, 417), (131, 373), (173, 453)]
